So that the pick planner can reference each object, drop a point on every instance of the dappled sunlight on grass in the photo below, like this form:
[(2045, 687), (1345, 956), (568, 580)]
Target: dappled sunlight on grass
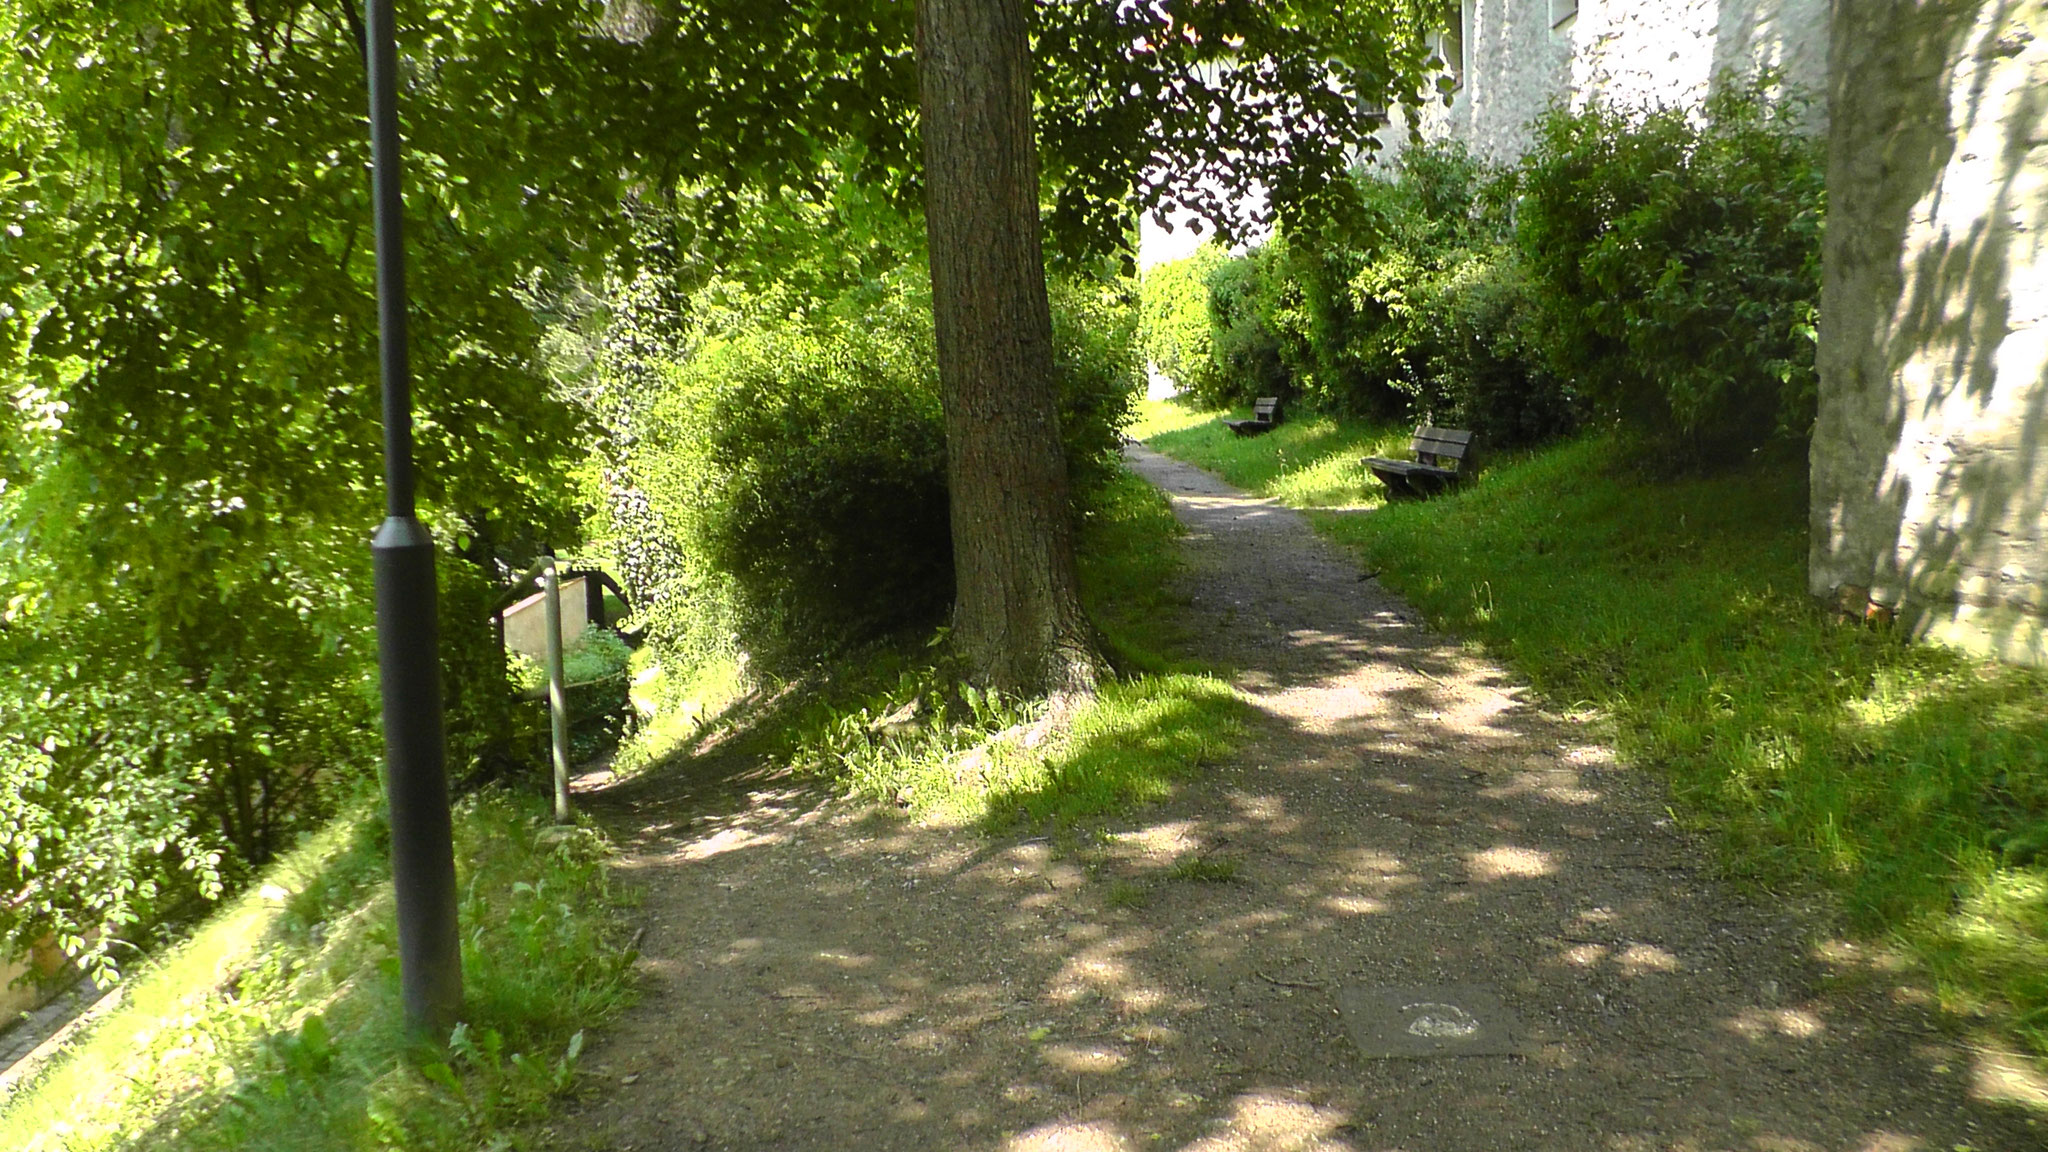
[(1152, 417), (1911, 780), (1127, 746), (1369, 807), (676, 705), (952, 754), (1127, 561), (1309, 462), (277, 1024), (1995, 943), (1130, 745)]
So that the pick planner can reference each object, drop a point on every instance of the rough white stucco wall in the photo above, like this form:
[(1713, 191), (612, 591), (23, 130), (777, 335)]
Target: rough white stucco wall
[(1515, 65), (1930, 454), (1625, 52)]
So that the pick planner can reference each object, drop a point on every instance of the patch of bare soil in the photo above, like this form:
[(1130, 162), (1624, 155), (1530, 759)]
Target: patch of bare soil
[(826, 975)]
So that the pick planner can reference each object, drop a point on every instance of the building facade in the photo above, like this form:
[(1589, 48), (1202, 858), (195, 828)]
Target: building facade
[(1511, 59), (1930, 453), (1930, 456)]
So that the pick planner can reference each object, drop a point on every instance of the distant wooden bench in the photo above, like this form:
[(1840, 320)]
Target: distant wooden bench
[(1443, 456), (1265, 417)]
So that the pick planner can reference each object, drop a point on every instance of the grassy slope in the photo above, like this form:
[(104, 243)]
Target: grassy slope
[(275, 1026), (1909, 780)]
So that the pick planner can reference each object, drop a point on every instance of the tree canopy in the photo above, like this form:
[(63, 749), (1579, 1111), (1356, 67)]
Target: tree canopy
[(187, 337)]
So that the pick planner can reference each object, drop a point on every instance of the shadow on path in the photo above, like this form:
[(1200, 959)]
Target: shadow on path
[(824, 975)]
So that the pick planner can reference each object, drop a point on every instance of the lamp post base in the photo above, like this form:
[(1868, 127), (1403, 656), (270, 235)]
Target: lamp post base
[(416, 776)]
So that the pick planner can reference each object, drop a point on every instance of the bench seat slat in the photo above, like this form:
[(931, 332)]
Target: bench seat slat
[(1265, 417), (1407, 467), (1441, 456), (1450, 435)]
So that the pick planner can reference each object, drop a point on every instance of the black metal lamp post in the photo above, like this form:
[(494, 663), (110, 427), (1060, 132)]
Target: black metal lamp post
[(408, 640)]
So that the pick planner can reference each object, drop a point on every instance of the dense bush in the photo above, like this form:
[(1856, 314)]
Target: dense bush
[(803, 463), (1245, 348), (1484, 366), (188, 351), (1098, 370), (488, 737), (1411, 305), (802, 459), (1649, 267), (597, 683), (145, 771), (1677, 262)]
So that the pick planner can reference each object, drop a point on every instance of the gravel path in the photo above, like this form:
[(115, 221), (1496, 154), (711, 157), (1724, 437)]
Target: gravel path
[(1401, 832)]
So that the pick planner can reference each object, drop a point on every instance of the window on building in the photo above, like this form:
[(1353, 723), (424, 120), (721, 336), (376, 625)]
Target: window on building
[(1562, 12), (1449, 44)]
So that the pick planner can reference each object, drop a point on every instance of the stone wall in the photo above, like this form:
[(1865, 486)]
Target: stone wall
[(1930, 455), (1627, 52), (17, 993)]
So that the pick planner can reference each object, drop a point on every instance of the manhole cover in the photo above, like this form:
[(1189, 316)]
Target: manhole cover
[(1418, 1022)]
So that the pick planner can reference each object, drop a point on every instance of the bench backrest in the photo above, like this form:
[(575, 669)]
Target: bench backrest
[(1442, 447), (1267, 409)]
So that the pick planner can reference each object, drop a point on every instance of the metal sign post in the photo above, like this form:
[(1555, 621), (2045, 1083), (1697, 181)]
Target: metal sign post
[(408, 640), (558, 695)]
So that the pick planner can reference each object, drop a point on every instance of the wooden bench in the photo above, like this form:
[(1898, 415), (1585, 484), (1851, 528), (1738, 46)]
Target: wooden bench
[(1265, 417), (1443, 456)]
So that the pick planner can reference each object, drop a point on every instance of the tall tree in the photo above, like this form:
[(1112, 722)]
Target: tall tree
[(188, 406), (1017, 617), (1161, 104)]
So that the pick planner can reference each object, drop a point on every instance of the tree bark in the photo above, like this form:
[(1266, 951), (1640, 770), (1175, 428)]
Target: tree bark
[(1017, 613)]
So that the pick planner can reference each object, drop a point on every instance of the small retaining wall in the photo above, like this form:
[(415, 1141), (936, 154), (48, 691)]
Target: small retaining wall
[(44, 959), (526, 623)]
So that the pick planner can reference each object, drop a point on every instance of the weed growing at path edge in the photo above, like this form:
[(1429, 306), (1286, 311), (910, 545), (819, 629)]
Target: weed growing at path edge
[(1911, 781)]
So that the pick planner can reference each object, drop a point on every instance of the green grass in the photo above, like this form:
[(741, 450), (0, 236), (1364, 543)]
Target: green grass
[(1203, 870), (1127, 561), (972, 765), (676, 705), (277, 1024), (895, 724), (1308, 461), (1909, 780)]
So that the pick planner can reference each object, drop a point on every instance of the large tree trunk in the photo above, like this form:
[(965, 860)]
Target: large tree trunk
[(1017, 617)]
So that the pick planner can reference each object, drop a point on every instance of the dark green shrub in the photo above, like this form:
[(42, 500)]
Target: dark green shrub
[(1347, 313), (1099, 372), (803, 461), (1486, 369), (488, 735), (1246, 350), (1367, 278), (1678, 265), (597, 683), (142, 776), (1335, 353)]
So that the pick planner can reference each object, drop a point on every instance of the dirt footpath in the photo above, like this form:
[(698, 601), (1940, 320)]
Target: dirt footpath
[(1405, 859)]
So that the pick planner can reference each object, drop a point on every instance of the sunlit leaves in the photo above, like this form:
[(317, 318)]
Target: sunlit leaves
[(189, 456)]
